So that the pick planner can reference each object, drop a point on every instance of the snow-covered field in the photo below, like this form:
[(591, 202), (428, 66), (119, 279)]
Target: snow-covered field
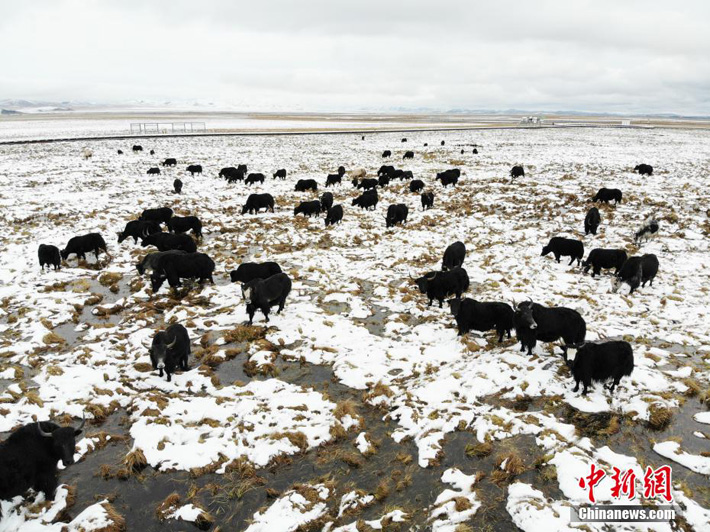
[(76, 340)]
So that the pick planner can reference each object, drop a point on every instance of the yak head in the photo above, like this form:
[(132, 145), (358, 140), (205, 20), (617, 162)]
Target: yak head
[(64, 253), (424, 281), (524, 314), (245, 208), (454, 306), (341, 171), (545, 250), (63, 440), (248, 290), (156, 281), (159, 348)]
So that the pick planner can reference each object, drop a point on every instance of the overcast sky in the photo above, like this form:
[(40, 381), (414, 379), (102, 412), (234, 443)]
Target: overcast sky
[(614, 56)]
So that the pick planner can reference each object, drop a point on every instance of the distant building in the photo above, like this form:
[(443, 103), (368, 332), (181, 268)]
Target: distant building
[(626, 122)]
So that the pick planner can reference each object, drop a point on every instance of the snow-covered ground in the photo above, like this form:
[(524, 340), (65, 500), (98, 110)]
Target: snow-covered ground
[(353, 305)]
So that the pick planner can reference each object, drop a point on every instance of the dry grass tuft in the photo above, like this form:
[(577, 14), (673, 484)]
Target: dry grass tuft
[(299, 439), (135, 461), (479, 450), (244, 333), (659, 417)]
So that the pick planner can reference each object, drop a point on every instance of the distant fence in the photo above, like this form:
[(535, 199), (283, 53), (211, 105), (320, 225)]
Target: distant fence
[(166, 128)]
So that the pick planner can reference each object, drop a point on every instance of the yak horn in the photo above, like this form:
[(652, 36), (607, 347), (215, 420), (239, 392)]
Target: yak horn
[(515, 304), (83, 421), (42, 432), (172, 344)]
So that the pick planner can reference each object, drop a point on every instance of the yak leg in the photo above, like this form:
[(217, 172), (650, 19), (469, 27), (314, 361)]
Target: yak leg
[(572, 259), (251, 310), (46, 482), (265, 310), (576, 386), (282, 303)]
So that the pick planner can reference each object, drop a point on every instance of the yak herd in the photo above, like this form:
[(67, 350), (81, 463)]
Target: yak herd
[(29, 457)]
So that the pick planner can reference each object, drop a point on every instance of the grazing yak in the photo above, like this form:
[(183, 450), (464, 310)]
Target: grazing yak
[(443, 142), (334, 215), (472, 315), (231, 174), (137, 148), (49, 255), (177, 186), (171, 161), (303, 185), (256, 202), (152, 152), (175, 267), (120, 152), (636, 271), (153, 171), (81, 245), (564, 247), (367, 184), (386, 153), (604, 258), (87, 153), (367, 200), (517, 171), (644, 169), (647, 230), (139, 229), (534, 323), (605, 195), (248, 271), (281, 173), (454, 256), (29, 458), (416, 185), (385, 169), (194, 169), (170, 350), (334, 179), (383, 181), (404, 139), (262, 294), (160, 215), (183, 224), (326, 201), (408, 155), (427, 200), (592, 221), (254, 178), (308, 208), (449, 177), (396, 214), (599, 362), (475, 151), (168, 241), (442, 285), (150, 261)]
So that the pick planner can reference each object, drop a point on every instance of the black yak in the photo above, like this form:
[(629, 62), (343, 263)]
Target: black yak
[(599, 362), (308, 208), (427, 200), (605, 195), (396, 214), (170, 350), (564, 247), (194, 169), (416, 185), (604, 258), (454, 256), (306, 184), (441, 285), (175, 267), (636, 271), (535, 323), (472, 315), (326, 201), (29, 457), (81, 245), (49, 255), (139, 229), (183, 224), (162, 215), (256, 202), (592, 221), (334, 215), (644, 169), (248, 271), (262, 294)]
